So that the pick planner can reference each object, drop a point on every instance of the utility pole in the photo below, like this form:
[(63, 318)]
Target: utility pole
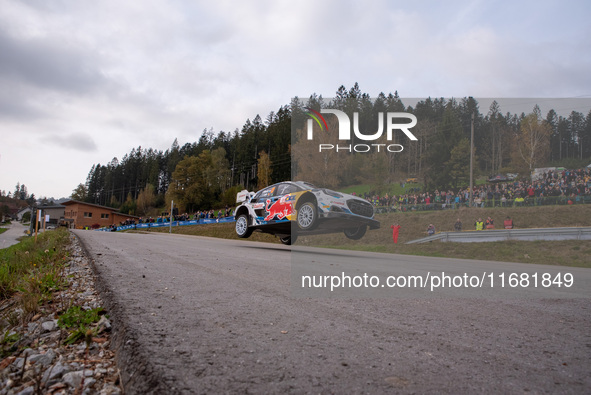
[(471, 159)]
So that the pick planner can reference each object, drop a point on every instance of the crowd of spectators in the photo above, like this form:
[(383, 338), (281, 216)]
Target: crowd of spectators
[(165, 217), (205, 214), (564, 187)]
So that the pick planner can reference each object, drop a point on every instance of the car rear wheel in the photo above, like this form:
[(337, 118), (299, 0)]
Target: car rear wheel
[(356, 233), (242, 229), (307, 216)]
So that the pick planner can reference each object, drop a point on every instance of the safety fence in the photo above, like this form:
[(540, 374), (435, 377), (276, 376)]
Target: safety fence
[(150, 225), (553, 234)]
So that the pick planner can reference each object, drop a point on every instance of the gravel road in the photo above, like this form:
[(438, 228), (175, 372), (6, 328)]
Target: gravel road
[(200, 315)]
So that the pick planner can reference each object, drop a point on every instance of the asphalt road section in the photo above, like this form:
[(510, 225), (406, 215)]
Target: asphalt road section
[(15, 231), (331, 273), (200, 315)]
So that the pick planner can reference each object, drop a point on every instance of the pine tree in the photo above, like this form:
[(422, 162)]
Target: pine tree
[(448, 135)]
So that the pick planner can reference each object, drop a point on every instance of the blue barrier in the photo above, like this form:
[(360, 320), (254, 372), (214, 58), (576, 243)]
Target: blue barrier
[(201, 221)]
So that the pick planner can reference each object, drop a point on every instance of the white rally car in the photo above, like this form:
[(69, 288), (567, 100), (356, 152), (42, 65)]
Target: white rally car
[(290, 208)]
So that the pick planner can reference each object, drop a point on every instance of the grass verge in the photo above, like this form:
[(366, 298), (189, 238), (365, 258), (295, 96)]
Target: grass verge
[(31, 271), (80, 323)]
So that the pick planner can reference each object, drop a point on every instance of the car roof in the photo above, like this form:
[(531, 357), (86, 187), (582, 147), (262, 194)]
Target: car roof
[(304, 184), (301, 184)]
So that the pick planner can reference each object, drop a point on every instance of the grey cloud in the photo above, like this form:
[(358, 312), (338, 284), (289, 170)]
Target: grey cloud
[(14, 104), (76, 141), (47, 64)]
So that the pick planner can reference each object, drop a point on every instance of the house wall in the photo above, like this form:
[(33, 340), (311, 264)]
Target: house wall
[(84, 215), (54, 213), (118, 218)]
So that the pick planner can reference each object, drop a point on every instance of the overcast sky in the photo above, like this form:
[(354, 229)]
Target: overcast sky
[(83, 82)]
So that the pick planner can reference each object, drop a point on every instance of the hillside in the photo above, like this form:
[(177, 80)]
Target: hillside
[(414, 225)]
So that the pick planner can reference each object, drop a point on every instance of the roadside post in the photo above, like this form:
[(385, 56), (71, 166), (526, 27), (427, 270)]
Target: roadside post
[(170, 222), (31, 225), (38, 219)]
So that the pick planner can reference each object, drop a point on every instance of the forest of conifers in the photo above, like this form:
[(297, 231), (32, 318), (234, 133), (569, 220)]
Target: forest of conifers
[(207, 173)]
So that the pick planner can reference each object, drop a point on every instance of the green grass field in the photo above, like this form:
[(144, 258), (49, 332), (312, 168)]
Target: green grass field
[(33, 269)]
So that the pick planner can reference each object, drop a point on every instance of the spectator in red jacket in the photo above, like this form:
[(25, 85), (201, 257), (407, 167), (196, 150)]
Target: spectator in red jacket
[(395, 231)]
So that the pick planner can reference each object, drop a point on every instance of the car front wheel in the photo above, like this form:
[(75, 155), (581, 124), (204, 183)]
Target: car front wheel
[(242, 229), (307, 216)]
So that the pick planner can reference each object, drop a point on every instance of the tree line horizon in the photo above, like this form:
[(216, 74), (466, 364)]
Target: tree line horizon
[(209, 172)]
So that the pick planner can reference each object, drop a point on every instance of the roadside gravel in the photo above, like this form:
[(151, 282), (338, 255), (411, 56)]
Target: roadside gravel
[(40, 362)]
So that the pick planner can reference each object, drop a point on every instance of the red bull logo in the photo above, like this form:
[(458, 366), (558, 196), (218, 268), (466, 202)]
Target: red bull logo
[(280, 209)]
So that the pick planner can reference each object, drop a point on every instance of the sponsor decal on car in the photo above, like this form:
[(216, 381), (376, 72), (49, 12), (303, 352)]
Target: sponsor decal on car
[(279, 210)]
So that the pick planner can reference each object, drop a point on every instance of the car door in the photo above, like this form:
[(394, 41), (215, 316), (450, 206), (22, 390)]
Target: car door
[(277, 206), (259, 201)]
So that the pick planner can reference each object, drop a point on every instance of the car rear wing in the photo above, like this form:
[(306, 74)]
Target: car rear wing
[(244, 196)]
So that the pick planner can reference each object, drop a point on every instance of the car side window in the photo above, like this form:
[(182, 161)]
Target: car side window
[(265, 193), (284, 189)]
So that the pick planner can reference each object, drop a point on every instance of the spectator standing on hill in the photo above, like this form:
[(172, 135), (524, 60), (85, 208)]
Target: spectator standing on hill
[(458, 225), (531, 191), (489, 198), (477, 201), (395, 231), (431, 229), (479, 224)]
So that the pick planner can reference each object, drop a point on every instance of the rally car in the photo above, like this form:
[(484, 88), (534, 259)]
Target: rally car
[(290, 208)]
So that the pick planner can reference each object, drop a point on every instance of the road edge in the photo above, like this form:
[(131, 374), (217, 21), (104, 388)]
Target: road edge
[(138, 376)]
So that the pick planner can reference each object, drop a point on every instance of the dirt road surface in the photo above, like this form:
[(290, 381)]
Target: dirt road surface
[(200, 315)]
